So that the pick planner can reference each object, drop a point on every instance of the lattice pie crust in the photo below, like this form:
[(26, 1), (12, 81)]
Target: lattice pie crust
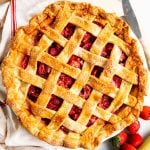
[(74, 75)]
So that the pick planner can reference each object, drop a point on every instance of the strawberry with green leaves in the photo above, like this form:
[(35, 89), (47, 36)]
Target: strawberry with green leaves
[(119, 139)]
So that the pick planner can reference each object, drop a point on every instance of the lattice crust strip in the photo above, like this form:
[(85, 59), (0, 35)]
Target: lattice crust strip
[(125, 105)]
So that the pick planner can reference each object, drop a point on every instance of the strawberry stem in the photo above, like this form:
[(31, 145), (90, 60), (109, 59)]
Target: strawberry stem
[(115, 142)]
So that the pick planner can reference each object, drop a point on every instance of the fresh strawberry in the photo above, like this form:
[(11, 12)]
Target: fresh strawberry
[(127, 146), (145, 113), (119, 139), (123, 137), (135, 140), (134, 127)]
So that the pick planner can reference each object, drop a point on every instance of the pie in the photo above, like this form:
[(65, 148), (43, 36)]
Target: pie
[(74, 75)]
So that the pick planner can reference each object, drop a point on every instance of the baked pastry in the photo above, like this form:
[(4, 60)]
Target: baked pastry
[(74, 75)]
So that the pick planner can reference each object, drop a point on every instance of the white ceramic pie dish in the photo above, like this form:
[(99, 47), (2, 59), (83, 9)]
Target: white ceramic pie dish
[(104, 139)]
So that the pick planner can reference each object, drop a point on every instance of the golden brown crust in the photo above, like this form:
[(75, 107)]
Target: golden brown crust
[(17, 80)]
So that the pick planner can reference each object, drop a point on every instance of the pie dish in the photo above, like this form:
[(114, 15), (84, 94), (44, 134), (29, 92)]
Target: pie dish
[(74, 75)]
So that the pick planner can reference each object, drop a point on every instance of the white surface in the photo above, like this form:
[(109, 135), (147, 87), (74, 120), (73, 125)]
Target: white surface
[(142, 11), (24, 11)]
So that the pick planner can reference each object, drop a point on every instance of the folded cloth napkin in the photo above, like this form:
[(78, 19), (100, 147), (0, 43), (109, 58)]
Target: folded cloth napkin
[(16, 134), (2, 126), (2, 115)]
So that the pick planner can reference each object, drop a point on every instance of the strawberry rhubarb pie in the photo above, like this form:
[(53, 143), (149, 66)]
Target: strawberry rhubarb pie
[(74, 75)]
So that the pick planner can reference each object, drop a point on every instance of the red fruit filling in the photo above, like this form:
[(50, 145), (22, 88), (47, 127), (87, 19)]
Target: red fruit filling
[(64, 129), (46, 121), (43, 70), (87, 41), (97, 71), (55, 49), (105, 102), (68, 30), (54, 103), (24, 61), (65, 81), (85, 92), (33, 93), (107, 50), (123, 59), (75, 112), (76, 61), (37, 37), (116, 81), (92, 120)]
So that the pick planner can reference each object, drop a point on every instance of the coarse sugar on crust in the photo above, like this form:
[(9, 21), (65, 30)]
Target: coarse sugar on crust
[(74, 75)]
